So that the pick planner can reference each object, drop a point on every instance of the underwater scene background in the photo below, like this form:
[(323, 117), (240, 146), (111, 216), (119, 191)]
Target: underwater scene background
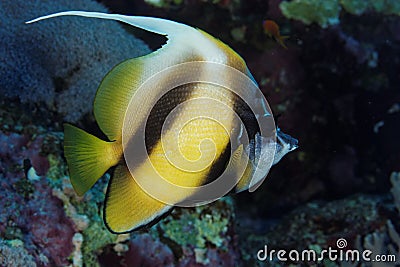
[(336, 88)]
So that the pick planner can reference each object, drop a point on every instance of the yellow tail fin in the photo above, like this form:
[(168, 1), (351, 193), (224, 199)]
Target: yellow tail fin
[(88, 157)]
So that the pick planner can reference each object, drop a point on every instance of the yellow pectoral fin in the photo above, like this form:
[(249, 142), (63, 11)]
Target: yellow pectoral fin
[(237, 161), (88, 157), (242, 169), (127, 206)]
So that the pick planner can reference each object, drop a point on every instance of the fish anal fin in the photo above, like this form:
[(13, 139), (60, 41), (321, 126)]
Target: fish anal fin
[(127, 206)]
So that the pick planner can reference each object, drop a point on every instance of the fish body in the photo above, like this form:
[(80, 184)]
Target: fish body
[(201, 147), (272, 30)]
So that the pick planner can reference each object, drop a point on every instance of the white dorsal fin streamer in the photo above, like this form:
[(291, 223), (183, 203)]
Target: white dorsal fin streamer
[(151, 24)]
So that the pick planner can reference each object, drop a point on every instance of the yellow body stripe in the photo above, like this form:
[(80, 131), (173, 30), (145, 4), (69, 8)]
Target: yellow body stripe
[(188, 159)]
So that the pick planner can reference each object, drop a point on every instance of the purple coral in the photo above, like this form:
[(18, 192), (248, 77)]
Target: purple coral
[(145, 251), (29, 212), (62, 61), (15, 148), (46, 225)]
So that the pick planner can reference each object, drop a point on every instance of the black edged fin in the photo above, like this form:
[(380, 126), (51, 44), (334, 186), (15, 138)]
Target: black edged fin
[(127, 207)]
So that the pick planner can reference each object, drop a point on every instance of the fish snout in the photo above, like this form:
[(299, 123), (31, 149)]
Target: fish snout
[(287, 141)]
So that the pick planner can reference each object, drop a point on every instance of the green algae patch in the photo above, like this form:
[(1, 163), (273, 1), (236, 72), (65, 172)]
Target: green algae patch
[(355, 7), (325, 13), (358, 7), (200, 226), (196, 229), (199, 231), (96, 237)]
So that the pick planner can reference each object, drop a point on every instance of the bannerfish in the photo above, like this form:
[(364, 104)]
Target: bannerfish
[(272, 30), (127, 206)]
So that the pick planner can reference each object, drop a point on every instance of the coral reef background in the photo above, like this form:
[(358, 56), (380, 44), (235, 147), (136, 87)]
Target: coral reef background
[(64, 59), (336, 89)]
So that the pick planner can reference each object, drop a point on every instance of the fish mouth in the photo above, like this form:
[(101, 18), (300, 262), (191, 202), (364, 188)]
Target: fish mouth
[(286, 140)]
